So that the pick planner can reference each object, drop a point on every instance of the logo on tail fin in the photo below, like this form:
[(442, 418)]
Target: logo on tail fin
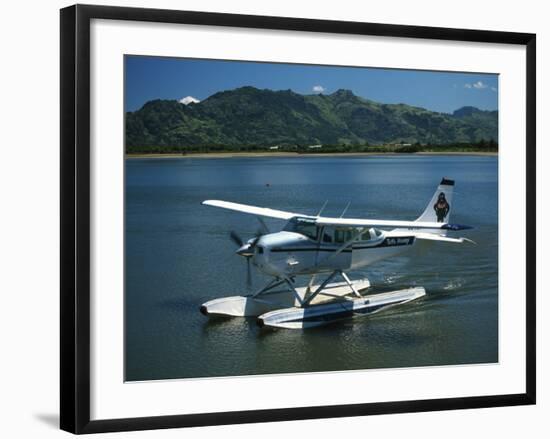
[(438, 209), (441, 207)]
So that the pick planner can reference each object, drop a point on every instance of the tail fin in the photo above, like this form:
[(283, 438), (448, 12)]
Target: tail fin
[(439, 207)]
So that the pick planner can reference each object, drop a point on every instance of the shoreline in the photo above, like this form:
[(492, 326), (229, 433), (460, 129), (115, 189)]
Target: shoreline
[(216, 155)]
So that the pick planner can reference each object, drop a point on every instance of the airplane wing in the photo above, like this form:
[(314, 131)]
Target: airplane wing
[(351, 222), (252, 210), (327, 221)]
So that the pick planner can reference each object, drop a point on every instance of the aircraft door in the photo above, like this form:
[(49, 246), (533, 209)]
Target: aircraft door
[(331, 240)]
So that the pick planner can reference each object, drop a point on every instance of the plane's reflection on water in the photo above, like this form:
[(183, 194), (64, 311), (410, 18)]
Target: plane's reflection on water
[(178, 256)]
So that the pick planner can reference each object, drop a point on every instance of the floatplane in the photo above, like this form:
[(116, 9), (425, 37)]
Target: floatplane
[(317, 247)]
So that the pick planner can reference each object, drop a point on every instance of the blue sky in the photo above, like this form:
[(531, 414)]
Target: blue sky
[(150, 78)]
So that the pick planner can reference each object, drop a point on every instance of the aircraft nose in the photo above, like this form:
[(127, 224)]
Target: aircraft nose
[(245, 250)]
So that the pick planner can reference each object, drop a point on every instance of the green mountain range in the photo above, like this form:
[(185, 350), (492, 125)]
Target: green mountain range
[(250, 118)]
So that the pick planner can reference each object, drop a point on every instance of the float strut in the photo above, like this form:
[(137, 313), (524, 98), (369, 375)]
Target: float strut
[(320, 288), (350, 284)]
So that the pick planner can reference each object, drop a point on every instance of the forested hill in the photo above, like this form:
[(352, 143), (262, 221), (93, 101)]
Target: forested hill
[(248, 117)]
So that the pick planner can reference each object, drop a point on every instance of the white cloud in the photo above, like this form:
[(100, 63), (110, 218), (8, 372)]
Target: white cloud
[(478, 85), (318, 89), (188, 100), (494, 89)]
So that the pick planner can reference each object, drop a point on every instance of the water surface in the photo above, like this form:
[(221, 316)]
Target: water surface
[(178, 256)]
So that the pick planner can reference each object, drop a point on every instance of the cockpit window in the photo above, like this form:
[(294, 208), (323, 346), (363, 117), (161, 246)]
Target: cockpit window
[(371, 234), (309, 231), (365, 236), (375, 233), (304, 226), (327, 236), (307, 227), (339, 235)]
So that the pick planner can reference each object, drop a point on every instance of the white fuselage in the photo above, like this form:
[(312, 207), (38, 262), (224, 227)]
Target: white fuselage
[(288, 253)]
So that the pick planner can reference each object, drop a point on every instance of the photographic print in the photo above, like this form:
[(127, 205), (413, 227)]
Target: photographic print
[(292, 218)]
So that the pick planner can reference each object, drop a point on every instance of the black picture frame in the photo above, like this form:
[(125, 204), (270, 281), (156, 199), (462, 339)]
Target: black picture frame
[(75, 217)]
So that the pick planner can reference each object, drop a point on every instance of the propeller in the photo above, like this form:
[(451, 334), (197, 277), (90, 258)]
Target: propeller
[(248, 276), (246, 249), (236, 238)]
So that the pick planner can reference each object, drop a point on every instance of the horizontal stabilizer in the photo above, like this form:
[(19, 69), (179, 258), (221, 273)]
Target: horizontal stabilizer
[(455, 227), (432, 237), (428, 236)]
